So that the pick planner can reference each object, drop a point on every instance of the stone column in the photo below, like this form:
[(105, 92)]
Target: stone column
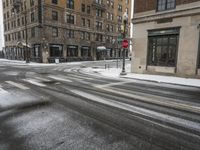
[(79, 51), (45, 54)]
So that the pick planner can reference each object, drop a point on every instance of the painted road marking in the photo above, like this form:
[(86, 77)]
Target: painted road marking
[(42, 79), (80, 77), (172, 104), (76, 79), (11, 73), (34, 82), (112, 84), (142, 111), (18, 85), (2, 91), (60, 78)]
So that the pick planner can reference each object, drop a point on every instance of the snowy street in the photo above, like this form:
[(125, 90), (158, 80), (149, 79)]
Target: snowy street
[(82, 105)]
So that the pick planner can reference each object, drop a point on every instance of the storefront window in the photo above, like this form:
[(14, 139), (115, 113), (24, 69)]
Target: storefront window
[(162, 49), (85, 51), (56, 51), (72, 51)]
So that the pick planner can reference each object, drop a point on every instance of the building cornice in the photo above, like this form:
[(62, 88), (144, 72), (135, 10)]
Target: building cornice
[(167, 14)]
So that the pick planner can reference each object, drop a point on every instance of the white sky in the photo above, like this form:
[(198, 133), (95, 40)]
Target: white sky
[(1, 27)]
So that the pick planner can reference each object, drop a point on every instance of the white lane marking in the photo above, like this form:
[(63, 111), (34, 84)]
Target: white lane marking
[(154, 97), (11, 73), (134, 109), (35, 82), (67, 70), (18, 85), (57, 68), (42, 79), (2, 91), (76, 79), (81, 77), (87, 83), (173, 104), (112, 84), (61, 78), (61, 68)]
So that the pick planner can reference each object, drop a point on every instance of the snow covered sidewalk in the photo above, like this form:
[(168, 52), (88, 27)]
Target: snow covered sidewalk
[(20, 62), (115, 73)]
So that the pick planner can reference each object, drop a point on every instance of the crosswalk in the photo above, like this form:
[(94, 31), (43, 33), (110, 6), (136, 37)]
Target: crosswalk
[(34, 82), (64, 69), (60, 78), (17, 85), (118, 90), (123, 88), (141, 111), (43, 81)]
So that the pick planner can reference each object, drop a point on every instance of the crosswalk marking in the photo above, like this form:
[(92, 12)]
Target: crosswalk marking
[(59, 68), (42, 79), (35, 82), (18, 85), (59, 78), (2, 91), (71, 78), (81, 77), (112, 84), (67, 70)]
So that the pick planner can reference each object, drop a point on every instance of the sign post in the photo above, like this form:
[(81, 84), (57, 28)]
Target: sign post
[(125, 42), (119, 38)]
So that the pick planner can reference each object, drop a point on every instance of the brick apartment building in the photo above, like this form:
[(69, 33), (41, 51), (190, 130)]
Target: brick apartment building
[(167, 37), (70, 30)]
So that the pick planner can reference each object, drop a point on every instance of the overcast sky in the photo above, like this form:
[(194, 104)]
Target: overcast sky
[(1, 26)]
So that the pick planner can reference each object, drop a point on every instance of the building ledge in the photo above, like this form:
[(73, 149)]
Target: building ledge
[(97, 5), (160, 69), (166, 14)]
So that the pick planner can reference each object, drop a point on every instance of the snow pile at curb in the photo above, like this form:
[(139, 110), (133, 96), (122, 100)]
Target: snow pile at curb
[(115, 73), (166, 79), (109, 72), (19, 62), (12, 61)]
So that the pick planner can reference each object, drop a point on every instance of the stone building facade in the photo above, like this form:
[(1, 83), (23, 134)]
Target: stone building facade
[(166, 37), (70, 30)]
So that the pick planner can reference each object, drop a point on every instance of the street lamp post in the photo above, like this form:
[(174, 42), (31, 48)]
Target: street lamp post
[(15, 8), (26, 47), (125, 20)]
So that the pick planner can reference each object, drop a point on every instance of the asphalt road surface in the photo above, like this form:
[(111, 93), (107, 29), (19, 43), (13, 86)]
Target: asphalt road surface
[(61, 107)]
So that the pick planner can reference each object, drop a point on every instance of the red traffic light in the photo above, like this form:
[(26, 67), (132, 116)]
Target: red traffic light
[(125, 43)]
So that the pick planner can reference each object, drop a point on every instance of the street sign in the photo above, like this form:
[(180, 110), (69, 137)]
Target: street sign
[(125, 43), (119, 38)]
